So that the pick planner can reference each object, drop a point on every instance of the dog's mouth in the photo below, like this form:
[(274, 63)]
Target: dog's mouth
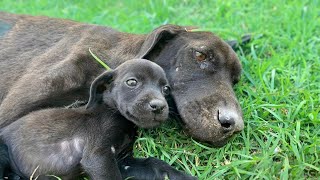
[(131, 117), (206, 120), (143, 122)]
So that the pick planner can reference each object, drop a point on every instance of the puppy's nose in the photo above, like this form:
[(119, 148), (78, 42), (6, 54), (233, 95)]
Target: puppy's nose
[(157, 106), (227, 120)]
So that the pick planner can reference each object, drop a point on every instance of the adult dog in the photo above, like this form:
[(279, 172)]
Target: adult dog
[(45, 62)]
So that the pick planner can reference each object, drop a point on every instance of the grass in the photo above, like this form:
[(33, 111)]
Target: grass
[(279, 91)]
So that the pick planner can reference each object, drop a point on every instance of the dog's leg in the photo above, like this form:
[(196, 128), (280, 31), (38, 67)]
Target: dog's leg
[(75, 174), (39, 89), (150, 168), (100, 164)]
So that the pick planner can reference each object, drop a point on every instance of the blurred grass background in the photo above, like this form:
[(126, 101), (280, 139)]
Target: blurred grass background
[(279, 91)]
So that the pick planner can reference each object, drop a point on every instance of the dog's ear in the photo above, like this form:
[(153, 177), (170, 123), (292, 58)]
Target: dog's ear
[(98, 86), (235, 44), (161, 33)]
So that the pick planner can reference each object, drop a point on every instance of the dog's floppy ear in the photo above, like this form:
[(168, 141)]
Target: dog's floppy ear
[(235, 44), (98, 86), (163, 32)]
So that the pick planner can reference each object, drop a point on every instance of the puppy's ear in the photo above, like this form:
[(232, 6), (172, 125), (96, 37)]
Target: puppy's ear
[(162, 33), (98, 86)]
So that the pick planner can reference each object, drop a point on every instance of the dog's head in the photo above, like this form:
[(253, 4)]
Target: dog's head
[(137, 88), (201, 69)]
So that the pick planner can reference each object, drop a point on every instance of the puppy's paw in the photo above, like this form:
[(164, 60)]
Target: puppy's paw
[(174, 174), (151, 168), (164, 171)]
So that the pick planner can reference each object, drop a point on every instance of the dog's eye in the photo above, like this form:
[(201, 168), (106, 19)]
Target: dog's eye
[(132, 82), (166, 90), (200, 56)]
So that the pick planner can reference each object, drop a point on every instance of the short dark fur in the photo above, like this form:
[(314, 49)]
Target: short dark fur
[(97, 136), (5, 168), (44, 62)]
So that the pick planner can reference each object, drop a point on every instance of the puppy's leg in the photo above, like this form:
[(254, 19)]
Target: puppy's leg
[(75, 174), (41, 88), (150, 168), (100, 164)]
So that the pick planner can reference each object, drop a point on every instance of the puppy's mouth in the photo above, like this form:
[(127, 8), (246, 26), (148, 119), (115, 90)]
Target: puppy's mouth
[(131, 117), (142, 122)]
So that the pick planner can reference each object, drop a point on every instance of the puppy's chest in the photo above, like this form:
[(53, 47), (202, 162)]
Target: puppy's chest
[(124, 147), (122, 142)]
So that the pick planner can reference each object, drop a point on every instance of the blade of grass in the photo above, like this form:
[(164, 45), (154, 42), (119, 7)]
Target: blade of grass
[(99, 60)]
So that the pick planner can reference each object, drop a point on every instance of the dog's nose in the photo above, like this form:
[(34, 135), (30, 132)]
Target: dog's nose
[(227, 120), (157, 106)]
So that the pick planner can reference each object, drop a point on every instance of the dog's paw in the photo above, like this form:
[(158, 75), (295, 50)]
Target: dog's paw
[(164, 171), (151, 168), (176, 175)]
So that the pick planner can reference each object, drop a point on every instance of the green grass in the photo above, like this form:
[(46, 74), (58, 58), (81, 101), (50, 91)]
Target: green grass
[(279, 91)]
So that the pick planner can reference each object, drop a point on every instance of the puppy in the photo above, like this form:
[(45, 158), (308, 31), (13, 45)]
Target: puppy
[(63, 142)]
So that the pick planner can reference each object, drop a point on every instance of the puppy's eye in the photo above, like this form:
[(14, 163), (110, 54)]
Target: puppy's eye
[(166, 90), (132, 82), (200, 56)]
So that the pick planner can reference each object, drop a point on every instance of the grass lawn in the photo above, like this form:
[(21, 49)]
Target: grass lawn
[(279, 91)]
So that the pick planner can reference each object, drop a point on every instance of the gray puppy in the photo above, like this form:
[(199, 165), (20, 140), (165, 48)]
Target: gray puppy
[(94, 138)]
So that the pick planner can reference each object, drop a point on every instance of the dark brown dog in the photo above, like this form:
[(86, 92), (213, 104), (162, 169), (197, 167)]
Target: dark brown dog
[(44, 62)]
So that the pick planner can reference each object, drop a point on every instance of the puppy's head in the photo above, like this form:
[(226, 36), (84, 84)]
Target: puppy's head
[(137, 89)]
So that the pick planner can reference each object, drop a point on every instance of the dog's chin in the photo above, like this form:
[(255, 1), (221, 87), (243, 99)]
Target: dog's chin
[(143, 121)]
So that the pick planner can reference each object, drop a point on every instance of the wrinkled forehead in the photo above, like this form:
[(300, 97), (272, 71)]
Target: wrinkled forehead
[(208, 39), (211, 43)]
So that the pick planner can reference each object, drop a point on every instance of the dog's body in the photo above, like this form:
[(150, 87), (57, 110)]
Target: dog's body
[(44, 62), (68, 140), (61, 141)]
